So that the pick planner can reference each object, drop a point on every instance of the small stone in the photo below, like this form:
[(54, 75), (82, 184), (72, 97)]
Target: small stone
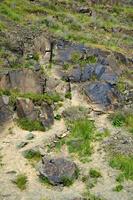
[(30, 136), (21, 145)]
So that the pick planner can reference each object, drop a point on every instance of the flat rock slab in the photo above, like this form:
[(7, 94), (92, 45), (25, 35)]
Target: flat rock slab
[(57, 170), (101, 93), (24, 80)]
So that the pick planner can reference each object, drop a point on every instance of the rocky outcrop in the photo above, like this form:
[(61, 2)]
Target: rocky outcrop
[(23, 80), (25, 109), (6, 112), (101, 93), (58, 170)]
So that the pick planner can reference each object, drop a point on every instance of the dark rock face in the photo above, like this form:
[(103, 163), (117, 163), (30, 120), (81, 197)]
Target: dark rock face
[(75, 75), (101, 93), (24, 80), (81, 75), (5, 111), (56, 169), (46, 115), (25, 109)]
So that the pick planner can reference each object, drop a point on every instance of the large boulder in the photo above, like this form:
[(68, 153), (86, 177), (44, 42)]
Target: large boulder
[(25, 109), (101, 93), (6, 112), (57, 170), (24, 80)]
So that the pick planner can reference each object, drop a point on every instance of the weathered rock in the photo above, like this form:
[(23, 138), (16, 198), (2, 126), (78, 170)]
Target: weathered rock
[(24, 80), (30, 136), (101, 93), (99, 70), (21, 145), (51, 84), (26, 109), (57, 170), (81, 74), (46, 115), (87, 73), (6, 112), (109, 76), (75, 75)]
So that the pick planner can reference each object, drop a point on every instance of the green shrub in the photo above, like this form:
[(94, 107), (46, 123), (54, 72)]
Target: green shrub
[(125, 164), (94, 173), (32, 155), (118, 188), (123, 119), (58, 117), (79, 141), (66, 181), (30, 125), (21, 181), (68, 95), (118, 120)]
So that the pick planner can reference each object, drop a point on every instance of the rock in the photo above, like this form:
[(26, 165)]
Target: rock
[(87, 73), (57, 170), (46, 115), (24, 80), (75, 75), (21, 145), (6, 112), (101, 93), (25, 109), (99, 70), (81, 74), (51, 84), (84, 10), (30, 136), (109, 76)]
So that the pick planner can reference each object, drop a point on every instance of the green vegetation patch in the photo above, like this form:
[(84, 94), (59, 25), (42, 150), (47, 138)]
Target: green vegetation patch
[(30, 125), (118, 188), (36, 98), (79, 142), (94, 173), (21, 181), (32, 154), (125, 164), (123, 119)]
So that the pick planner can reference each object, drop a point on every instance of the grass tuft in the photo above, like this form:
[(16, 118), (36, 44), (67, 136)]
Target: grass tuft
[(123, 119), (94, 173), (30, 125), (125, 164), (21, 181)]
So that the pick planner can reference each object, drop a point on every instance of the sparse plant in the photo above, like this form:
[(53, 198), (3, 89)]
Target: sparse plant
[(118, 188), (94, 173), (21, 181), (32, 155)]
